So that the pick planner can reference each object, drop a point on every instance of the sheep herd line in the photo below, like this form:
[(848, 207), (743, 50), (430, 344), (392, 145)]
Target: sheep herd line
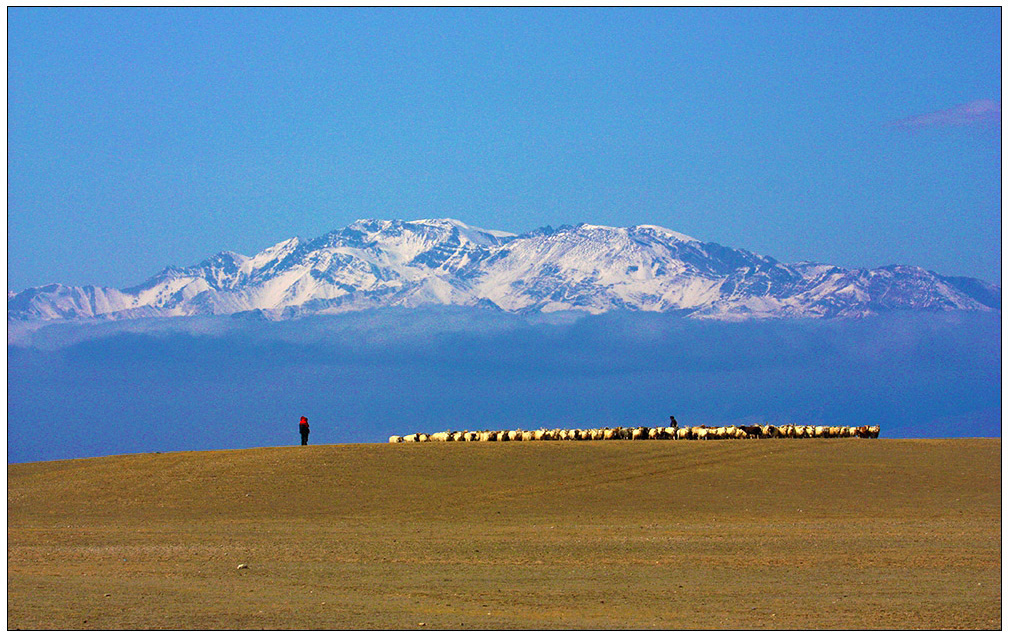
[(700, 433)]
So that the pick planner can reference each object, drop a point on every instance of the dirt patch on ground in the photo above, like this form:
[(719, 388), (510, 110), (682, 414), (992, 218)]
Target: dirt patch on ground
[(752, 534)]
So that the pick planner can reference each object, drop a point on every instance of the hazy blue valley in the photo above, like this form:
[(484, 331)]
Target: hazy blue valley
[(231, 382)]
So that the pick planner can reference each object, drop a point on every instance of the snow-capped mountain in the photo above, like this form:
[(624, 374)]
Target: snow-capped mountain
[(373, 263)]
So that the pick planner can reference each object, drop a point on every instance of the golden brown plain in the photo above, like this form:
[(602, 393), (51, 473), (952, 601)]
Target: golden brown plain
[(753, 534)]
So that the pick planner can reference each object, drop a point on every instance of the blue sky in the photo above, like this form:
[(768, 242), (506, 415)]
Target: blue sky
[(142, 137)]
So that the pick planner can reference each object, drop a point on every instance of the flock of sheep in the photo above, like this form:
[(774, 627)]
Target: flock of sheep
[(640, 433)]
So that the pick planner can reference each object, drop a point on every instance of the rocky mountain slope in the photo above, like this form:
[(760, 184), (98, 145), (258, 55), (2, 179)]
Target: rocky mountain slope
[(374, 263)]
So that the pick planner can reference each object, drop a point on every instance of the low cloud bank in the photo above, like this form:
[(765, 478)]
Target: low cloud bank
[(236, 383)]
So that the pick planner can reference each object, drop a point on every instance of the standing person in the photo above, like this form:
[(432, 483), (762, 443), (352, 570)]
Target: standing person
[(672, 421), (303, 429)]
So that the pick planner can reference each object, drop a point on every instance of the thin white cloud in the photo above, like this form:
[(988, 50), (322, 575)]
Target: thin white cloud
[(969, 114)]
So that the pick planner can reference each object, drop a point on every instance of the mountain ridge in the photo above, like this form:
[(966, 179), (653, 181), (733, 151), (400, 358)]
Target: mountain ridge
[(586, 267)]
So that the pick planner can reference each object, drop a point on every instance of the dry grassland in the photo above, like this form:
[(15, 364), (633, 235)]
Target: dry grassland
[(753, 534)]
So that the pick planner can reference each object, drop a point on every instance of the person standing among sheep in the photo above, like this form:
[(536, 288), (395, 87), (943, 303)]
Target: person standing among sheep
[(303, 429)]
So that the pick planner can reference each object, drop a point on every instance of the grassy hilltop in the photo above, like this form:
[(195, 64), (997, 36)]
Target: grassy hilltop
[(774, 534)]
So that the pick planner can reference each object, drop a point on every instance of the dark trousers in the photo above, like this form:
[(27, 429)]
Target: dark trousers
[(304, 437)]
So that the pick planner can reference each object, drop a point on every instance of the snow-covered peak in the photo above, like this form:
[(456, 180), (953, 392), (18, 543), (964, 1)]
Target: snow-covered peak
[(272, 254), (594, 268), (226, 259), (281, 248), (401, 242), (664, 232), (398, 242), (664, 235), (480, 236)]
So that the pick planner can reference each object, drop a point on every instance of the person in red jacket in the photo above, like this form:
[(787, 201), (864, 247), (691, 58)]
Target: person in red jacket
[(303, 428)]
